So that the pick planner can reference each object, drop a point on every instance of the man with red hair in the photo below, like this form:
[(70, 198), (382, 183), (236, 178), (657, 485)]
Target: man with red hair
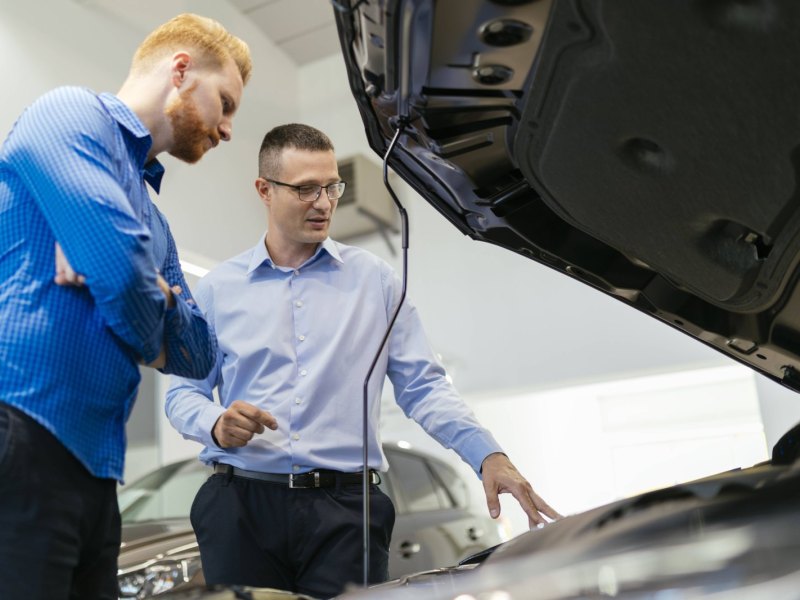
[(73, 178)]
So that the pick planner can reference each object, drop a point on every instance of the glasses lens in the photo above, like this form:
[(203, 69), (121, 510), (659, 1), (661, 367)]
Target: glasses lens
[(308, 193), (335, 190)]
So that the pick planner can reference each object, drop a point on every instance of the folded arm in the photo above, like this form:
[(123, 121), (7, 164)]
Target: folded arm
[(73, 175)]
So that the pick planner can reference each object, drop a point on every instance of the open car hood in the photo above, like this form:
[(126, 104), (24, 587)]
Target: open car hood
[(648, 149)]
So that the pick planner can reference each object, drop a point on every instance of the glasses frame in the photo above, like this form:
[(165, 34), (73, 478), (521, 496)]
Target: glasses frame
[(297, 189)]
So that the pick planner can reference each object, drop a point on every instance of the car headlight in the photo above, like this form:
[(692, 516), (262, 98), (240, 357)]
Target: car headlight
[(157, 578)]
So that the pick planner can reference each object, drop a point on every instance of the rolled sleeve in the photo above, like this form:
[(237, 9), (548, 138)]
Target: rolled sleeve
[(189, 342)]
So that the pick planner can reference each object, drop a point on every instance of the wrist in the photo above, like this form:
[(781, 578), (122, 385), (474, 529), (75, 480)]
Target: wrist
[(489, 456)]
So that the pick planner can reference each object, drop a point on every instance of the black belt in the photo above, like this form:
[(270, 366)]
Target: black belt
[(312, 479)]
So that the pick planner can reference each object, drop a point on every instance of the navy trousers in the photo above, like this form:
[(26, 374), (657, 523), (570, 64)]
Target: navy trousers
[(59, 525), (307, 541)]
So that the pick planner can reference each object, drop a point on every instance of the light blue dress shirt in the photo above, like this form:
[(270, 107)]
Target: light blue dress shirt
[(298, 343), (73, 170)]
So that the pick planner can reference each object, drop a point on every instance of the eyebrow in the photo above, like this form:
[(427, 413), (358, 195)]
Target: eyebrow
[(313, 182)]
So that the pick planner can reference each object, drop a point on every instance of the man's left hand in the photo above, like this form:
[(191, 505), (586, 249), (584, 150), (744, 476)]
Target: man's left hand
[(502, 477), (65, 274)]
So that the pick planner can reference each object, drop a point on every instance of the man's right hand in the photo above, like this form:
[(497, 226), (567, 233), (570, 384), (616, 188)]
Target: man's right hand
[(239, 423)]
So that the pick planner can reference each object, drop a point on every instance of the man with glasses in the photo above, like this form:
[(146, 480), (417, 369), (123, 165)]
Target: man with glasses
[(298, 319)]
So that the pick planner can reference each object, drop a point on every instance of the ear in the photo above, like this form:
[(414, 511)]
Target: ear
[(181, 63), (264, 190)]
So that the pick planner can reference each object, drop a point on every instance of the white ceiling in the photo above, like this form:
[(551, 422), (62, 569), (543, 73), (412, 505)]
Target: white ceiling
[(304, 29)]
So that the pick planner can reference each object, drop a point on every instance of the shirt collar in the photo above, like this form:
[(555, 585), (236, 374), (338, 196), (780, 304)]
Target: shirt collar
[(140, 135), (260, 255), (153, 174)]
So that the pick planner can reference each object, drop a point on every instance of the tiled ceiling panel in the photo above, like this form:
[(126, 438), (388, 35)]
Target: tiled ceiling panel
[(304, 29)]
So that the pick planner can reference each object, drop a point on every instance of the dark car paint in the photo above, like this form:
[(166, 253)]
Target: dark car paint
[(720, 534), (647, 149)]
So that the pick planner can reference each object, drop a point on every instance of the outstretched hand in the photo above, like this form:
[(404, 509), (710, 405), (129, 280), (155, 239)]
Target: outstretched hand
[(502, 477)]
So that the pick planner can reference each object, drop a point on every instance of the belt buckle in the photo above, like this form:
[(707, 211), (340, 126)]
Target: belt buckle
[(298, 483)]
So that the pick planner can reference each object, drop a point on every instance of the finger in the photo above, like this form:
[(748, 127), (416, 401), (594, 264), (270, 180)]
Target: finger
[(492, 499), (236, 421), (177, 290), (232, 436), (62, 264), (65, 274), (242, 435), (69, 278), (544, 508), (230, 441), (267, 420), (255, 414), (535, 519), (529, 507)]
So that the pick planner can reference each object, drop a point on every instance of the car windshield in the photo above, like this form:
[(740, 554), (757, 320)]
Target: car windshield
[(166, 493)]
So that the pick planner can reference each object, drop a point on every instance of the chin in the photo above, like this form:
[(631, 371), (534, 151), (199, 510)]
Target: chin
[(189, 157), (317, 237)]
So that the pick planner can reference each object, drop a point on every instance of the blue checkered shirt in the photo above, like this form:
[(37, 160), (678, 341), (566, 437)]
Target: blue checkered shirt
[(74, 170)]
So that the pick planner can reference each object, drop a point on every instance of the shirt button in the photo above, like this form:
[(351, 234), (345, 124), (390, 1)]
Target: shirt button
[(299, 303), (303, 373), (301, 337), (295, 437), (296, 273), (295, 467), (297, 401)]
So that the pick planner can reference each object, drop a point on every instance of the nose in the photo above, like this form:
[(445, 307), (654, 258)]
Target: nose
[(225, 130), (323, 200)]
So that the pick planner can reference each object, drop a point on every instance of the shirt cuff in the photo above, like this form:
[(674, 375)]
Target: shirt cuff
[(206, 421), (477, 447), (189, 344)]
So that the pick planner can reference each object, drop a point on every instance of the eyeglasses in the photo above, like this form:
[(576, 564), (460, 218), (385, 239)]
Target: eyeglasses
[(311, 192)]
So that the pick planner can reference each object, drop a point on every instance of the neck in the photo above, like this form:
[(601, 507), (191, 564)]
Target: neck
[(142, 97), (290, 256)]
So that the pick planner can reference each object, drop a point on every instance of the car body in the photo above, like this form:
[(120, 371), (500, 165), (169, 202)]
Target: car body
[(645, 149), (731, 534), (648, 150), (436, 523)]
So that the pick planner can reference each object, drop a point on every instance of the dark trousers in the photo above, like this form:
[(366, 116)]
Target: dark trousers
[(308, 541), (59, 525)]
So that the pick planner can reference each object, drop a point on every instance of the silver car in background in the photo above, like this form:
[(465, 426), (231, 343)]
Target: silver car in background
[(436, 524)]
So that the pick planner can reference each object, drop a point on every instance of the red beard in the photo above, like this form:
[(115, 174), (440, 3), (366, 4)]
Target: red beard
[(190, 134)]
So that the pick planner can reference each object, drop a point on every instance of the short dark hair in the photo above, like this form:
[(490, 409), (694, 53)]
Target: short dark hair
[(291, 135)]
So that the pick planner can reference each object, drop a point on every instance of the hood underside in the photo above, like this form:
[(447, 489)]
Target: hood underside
[(648, 149)]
